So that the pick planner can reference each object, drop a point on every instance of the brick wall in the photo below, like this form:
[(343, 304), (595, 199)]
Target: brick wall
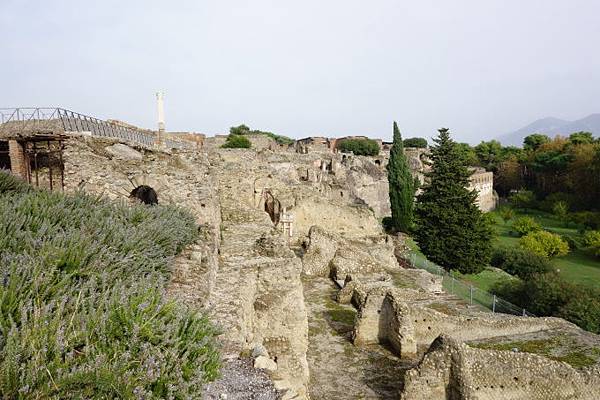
[(18, 161)]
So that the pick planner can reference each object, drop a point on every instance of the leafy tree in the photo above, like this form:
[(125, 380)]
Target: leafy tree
[(360, 147), (417, 142), (237, 142), (402, 185), (467, 153), (450, 228), (533, 142), (508, 176), (489, 154), (520, 262), (581, 138), (239, 130), (545, 244), (525, 225), (522, 199)]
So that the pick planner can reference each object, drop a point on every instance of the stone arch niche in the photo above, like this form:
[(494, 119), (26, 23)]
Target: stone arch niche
[(145, 194)]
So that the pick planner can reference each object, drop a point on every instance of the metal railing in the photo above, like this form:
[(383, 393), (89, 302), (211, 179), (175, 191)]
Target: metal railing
[(467, 291), (50, 119)]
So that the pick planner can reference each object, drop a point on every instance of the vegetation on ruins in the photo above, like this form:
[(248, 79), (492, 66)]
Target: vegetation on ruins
[(242, 130), (83, 311), (402, 185), (360, 147), (450, 229), (417, 142), (236, 142)]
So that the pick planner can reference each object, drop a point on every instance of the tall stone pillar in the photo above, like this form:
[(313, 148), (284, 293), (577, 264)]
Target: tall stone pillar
[(18, 159), (161, 117)]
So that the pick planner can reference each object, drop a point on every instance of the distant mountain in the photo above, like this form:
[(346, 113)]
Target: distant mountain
[(553, 126)]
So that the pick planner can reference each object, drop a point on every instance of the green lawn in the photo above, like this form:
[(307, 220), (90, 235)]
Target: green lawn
[(578, 266)]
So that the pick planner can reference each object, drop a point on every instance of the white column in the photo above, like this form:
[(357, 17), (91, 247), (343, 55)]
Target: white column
[(161, 116)]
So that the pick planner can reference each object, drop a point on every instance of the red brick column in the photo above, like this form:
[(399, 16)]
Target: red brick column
[(18, 161)]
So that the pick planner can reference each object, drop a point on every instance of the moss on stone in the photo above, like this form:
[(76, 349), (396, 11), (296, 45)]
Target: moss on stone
[(576, 356)]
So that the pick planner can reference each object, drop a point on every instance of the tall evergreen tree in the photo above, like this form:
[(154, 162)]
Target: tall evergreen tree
[(402, 185), (450, 229)]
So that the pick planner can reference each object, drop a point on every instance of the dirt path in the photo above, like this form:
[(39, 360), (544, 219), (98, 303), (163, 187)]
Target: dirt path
[(338, 369)]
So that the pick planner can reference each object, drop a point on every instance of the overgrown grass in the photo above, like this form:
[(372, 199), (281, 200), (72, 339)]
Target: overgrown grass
[(83, 312)]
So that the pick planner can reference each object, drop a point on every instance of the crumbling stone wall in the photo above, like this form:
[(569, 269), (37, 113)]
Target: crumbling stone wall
[(451, 370), (417, 325), (329, 254), (111, 169)]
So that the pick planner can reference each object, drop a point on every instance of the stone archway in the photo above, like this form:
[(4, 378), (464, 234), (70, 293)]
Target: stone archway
[(145, 194)]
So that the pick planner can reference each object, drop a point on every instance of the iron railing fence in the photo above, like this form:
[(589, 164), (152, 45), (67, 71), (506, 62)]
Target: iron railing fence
[(467, 291), (45, 118)]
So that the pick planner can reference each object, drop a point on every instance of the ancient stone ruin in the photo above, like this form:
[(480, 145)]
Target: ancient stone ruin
[(311, 295)]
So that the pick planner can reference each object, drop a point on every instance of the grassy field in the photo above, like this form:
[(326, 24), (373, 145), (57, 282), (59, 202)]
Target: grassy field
[(577, 267)]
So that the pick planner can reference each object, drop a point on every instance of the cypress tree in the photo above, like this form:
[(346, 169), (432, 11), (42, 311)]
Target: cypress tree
[(450, 229), (402, 185)]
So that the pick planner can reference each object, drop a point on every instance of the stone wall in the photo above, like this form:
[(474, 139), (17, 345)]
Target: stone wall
[(483, 182), (453, 371), (415, 325), (18, 160)]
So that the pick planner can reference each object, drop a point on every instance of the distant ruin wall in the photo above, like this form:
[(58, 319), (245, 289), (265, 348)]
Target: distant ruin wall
[(454, 371)]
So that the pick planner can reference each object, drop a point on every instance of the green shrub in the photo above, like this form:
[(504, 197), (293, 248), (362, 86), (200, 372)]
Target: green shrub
[(550, 295), (523, 199), (591, 239), (583, 308), (506, 213), (417, 142), (550, 201), (360, 147), (245, 130), (83, 312), (545, 244), (520, 262), (525, 225), (237, 142), (561, 210), (588, 219)]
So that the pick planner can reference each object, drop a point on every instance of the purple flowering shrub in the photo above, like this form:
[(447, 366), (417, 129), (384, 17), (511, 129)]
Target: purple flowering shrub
[(83, 311)]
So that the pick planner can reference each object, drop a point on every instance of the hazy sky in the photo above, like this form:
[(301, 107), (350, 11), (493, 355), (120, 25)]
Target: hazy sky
[(309, 67)]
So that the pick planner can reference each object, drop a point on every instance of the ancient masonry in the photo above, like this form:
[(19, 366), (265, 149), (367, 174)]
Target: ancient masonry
[(293, 265)]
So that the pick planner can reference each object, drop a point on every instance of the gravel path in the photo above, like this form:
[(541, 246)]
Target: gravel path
[(240, 381)]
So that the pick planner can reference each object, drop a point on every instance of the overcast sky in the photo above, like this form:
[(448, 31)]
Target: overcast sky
[(307, 67)]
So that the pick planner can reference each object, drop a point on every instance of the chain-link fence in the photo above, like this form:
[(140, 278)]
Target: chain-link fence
[(467, 291)]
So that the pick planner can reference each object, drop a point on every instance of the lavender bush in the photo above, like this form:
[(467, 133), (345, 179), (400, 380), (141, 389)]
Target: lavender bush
[(83, 312)]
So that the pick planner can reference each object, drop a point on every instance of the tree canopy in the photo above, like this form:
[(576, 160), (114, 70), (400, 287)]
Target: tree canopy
[(417, 142), (402, 185), (450, 229)]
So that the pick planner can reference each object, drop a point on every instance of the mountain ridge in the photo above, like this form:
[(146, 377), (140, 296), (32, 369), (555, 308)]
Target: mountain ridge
[(552, 126)]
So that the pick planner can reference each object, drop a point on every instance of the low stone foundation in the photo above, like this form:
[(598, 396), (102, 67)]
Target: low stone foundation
[(454, 371), (402, 318)]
